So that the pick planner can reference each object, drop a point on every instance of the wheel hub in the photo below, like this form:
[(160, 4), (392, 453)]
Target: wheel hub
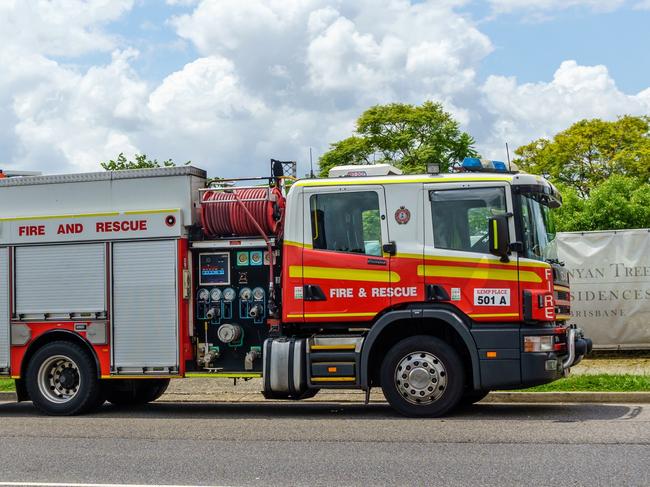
[(58, 379), (421, 378)]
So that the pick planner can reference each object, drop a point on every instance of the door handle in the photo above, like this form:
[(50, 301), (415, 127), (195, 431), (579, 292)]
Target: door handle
[(313, 292), (390, 248)]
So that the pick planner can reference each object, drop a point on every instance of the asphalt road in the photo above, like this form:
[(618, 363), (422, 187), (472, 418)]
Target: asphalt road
[(328, 444)]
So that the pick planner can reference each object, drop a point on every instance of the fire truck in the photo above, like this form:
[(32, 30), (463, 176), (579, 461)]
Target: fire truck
[(436, 288)]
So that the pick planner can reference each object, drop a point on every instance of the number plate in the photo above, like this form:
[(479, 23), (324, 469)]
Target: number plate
[(491, 297)]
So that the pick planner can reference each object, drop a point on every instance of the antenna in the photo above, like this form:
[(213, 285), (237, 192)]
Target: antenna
[(508, 155), (311, 164)]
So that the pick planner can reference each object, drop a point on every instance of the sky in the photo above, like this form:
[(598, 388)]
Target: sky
[(229, 84)]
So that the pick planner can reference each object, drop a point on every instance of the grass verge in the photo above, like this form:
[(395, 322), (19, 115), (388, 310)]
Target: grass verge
[(597, 383), (6, 385)]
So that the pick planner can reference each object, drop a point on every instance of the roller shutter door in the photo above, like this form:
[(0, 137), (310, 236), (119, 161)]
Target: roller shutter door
[(61, 279), (145, 300), (4, 309)]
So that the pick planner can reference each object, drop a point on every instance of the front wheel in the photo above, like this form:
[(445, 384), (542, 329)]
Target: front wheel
[(422, 376), (62, 379)]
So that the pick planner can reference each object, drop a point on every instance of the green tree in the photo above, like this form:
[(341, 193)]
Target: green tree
[(140, 161), (618, 203), (590, 151), (406, 136)]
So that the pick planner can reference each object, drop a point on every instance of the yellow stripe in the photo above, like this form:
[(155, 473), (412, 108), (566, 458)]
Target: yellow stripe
[(333, 379), (151, 212), (330, 315), (368, 181), (117, 376), (562, 317), (221, 375), (495, 315), (496, 235), (339, 346), (343, 274), (561, 288), (52, 217), (15, 377), (477, 273), (479, 260), (297, 244)]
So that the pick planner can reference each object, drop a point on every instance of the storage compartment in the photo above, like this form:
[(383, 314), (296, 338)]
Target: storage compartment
[(145, 307), (61, 281), (4, 310)]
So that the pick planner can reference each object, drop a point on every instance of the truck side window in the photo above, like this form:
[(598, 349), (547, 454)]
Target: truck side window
[(346, 222), (460, 217)]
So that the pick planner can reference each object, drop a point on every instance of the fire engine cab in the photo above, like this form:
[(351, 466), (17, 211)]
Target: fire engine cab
[(437, 287)]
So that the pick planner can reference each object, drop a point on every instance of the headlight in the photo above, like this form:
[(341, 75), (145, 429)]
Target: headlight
[(538, 344)]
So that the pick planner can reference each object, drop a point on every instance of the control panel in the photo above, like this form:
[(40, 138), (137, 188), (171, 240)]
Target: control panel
[(231, 308)]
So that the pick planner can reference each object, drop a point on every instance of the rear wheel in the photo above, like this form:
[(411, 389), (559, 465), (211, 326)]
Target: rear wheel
[(62, 379), (422, 376), (125, 392)]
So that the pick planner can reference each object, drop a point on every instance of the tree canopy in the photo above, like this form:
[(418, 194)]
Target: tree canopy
[(618, 203), (140, 161), (590, 151), (406, 136)]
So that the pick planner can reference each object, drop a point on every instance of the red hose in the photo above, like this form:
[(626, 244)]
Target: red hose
[(229, 213)]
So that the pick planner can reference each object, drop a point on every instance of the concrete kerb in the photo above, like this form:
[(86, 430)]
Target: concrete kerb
[(377, 397)]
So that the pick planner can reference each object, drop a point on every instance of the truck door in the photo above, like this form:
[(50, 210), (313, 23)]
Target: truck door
[(345, 274), (457, 262)]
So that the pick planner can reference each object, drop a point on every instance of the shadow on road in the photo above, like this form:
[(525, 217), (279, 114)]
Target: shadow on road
[(320, 410)]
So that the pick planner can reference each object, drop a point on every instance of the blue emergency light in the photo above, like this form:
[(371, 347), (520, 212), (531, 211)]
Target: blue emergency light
[(474, 164)]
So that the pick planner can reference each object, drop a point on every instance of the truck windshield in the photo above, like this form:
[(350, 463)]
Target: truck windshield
[(538, 228)]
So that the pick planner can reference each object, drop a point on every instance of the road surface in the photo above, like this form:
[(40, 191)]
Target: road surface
[(327, 444)]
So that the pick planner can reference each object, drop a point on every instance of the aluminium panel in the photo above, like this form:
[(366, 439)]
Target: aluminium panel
[(145, 305), (55, 279), (4, 310)]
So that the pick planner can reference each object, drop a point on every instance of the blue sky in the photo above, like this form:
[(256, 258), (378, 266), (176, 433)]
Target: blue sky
[(532, 50), (229, 84)]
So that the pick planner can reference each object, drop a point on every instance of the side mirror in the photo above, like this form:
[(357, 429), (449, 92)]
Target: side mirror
[(498, 236)]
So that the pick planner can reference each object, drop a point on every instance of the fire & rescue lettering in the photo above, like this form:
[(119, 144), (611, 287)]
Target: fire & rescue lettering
[(121, 226)]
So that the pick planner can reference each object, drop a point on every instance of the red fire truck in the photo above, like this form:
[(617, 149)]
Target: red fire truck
[(437, 288)]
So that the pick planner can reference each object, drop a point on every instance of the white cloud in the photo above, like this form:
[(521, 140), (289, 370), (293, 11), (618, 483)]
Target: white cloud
[(271, 79), (59, 27), (523, 112)]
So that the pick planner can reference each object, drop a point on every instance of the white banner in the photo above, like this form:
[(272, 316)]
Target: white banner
[(610, 285), (91, 226)]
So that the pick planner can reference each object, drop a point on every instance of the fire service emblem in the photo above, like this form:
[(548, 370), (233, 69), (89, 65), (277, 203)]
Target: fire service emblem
[(402, 215)]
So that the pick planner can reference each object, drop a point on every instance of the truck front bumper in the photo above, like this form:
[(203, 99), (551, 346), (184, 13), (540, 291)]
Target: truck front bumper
[(520, 369)]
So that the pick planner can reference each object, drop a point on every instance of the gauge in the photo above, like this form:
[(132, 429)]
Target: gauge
[(203, 295), (245, 294), (258, 294), (229, 294), (215, 294)]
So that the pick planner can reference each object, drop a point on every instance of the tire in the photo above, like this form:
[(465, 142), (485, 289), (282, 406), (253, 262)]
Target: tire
[(62, 379), (471, 397), (124, 392), (435, 374)]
